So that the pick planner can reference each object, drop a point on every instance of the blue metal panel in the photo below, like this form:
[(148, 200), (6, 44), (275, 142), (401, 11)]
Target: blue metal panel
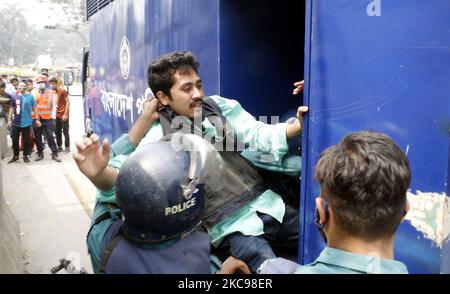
[(385, 73), (186, 25), (152, 28), (248, 51), (261, 53), (113, 116)]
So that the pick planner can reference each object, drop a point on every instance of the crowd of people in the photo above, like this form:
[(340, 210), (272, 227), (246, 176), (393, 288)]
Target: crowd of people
[(34, 112), (202, 206)]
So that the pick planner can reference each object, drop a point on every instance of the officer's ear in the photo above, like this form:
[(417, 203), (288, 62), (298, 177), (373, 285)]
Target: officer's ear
[(163, 98), (322, 210), (407, 208)]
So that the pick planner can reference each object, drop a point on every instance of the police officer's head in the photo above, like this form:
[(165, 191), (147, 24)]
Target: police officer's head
[(364, 179), (160, 187)]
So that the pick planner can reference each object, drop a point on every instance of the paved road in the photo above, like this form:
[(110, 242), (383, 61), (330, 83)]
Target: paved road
[(52, 203)]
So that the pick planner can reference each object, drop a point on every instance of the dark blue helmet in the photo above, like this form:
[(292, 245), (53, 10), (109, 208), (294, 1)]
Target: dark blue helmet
[(160, 188)]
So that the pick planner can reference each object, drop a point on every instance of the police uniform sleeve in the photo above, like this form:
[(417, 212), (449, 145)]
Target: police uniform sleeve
[(109, 196), (122, 146)]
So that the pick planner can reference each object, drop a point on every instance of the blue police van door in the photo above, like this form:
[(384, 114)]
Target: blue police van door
[(384, 66)]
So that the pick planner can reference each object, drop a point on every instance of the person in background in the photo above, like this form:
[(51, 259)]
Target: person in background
[(15, 83), (5, 100), (62, 116), (33, 91), (46, 106), (30, 87), (20, 121)]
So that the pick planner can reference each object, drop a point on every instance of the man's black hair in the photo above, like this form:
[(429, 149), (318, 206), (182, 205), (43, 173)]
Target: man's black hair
[(2, 85), (365, 179), (160, 72), (13, 80)]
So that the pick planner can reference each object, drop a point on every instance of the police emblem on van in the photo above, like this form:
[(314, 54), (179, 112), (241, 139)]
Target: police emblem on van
[(125, 57)]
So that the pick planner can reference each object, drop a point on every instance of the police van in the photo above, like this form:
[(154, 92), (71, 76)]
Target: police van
[(368, 65)]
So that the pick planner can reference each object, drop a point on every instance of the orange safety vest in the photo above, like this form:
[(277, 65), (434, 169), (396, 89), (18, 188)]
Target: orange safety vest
[(45, 104)]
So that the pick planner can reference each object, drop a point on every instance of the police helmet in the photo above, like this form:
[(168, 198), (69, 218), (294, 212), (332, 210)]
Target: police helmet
[(160, 187)]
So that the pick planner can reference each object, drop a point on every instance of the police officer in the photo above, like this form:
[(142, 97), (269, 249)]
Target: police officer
[(160, 195), (366, 172)]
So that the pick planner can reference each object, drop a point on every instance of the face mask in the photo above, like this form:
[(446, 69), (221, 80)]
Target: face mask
[(41, 86), (317, 219)]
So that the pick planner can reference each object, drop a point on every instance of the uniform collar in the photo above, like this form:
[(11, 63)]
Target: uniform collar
[(360, 263)]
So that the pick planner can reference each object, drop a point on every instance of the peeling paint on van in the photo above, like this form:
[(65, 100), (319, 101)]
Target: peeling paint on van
[(430, 214)]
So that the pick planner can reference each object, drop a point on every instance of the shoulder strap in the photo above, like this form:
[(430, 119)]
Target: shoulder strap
[(210, 106), (107, 252), (98, 220), (165, 120)]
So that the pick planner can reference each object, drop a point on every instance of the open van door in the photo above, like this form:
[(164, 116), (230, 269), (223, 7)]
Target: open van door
[(383, 66)]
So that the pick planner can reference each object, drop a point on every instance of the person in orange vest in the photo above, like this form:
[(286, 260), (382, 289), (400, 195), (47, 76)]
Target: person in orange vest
[(45, 100)]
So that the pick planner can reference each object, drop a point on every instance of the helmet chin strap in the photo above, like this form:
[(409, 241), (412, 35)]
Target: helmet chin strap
[(198, 151)]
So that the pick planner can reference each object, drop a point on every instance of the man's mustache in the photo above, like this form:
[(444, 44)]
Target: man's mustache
[(198, 102)]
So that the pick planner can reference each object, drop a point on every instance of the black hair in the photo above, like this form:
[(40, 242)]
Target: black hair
[(365, 179), (53, 80), (160, 72)]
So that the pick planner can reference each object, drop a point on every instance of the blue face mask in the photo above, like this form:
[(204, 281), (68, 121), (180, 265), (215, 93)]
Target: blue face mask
[(317, 219)]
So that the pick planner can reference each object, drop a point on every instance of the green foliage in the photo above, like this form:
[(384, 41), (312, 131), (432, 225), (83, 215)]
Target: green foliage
[(24, 42)]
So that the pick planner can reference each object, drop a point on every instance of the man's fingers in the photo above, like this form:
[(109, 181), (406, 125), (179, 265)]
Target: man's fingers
[(302, 109), (105, 146), (94, 138), (80, 145), (151, 105), (87, 141), (78, 157), (299, 87)]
